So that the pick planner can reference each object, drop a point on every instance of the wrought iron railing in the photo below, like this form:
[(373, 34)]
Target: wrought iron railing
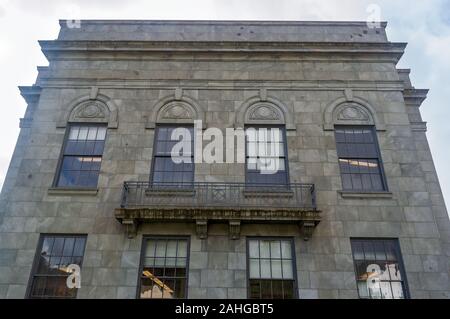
[(218, 195)]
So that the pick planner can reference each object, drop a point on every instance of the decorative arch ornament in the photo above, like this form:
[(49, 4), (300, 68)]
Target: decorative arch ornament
[(93, 108), (350, 110), (264, 110), (175, 109)]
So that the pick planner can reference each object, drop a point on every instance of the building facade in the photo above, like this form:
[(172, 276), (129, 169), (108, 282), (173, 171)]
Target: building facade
[(353, 210)]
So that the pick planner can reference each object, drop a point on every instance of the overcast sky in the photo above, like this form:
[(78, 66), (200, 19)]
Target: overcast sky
[(425, 24)]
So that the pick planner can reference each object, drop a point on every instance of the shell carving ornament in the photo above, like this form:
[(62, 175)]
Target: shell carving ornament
[(353, 113), (264, 113), (177, 111), (91, 110)]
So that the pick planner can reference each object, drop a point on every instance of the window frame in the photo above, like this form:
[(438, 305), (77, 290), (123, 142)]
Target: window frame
[(282, 127), (406, 292), (62, 155), (35, 264), (154, 156), (379, 158), (294, 261), (145, 239)]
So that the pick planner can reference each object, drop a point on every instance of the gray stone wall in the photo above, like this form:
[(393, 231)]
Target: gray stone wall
[(221, 83)]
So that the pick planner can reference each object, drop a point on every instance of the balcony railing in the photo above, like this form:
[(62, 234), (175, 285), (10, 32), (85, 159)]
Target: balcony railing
[(233, 203), (219, 196)]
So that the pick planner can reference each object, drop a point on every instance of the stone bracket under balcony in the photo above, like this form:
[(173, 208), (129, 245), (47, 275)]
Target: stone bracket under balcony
[(206, 203), (132, 218)]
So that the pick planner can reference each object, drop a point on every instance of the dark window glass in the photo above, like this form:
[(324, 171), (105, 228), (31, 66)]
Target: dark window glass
[(266, 158), (50, 273), (82, 156), (271, 269), (164, 268), (379, 269), (167, 171), (359, 159)]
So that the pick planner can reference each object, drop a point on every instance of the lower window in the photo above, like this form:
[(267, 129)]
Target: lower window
[(51, 266), (271, 269), (380, 273), (164, 268)]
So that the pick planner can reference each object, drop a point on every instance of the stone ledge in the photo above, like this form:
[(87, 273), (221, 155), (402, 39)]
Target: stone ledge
[(365, 195), (130, 218), (72, 191)]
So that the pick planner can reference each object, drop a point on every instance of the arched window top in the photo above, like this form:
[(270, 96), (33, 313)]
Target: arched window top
[(88, 110), (355, 112), (175, 110), (264, 113), (267, 111)]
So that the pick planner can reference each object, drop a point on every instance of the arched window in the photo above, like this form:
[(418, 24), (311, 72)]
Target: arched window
[(357, 147), (174, 120), (266, 148), (86, 124)]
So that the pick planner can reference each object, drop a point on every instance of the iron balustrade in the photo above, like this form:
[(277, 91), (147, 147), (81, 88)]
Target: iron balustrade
[(218, 195)]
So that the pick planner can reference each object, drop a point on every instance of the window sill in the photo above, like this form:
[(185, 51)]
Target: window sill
[(57, 191), (365, 195)]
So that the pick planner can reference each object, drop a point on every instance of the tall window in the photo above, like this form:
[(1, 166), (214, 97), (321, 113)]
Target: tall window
[(164, 268), (271, 269), (379, 269), (165, 170), (359, 159), (50, 270), (266, 156), (82, 156)]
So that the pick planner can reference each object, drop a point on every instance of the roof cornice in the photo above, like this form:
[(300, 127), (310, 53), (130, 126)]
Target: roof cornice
[(56, 48), (63, 23)]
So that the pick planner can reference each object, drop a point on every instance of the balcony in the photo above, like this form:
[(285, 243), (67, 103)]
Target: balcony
[(232, 203)]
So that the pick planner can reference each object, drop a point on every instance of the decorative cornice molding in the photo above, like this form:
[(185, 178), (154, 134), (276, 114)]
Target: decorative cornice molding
[(56, 49), (415, 97), (196, 84), (31, 94)]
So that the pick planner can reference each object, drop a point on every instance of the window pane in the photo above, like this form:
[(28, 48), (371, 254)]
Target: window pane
[(381, 278), (49, 278), (73, 135), (397, 290), (253, 249), (83, 133), (92, 133), (165, 275), (165, 170), (171, 248), (83, 144), (386, 290), (275, 249), (363, 290), (265, 269), (273, 264), (254, 268), (101, 134), (68, 246), (276, 269), (265, 156), (264, 248), (358, 155), (288, 272), (286, 250)]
